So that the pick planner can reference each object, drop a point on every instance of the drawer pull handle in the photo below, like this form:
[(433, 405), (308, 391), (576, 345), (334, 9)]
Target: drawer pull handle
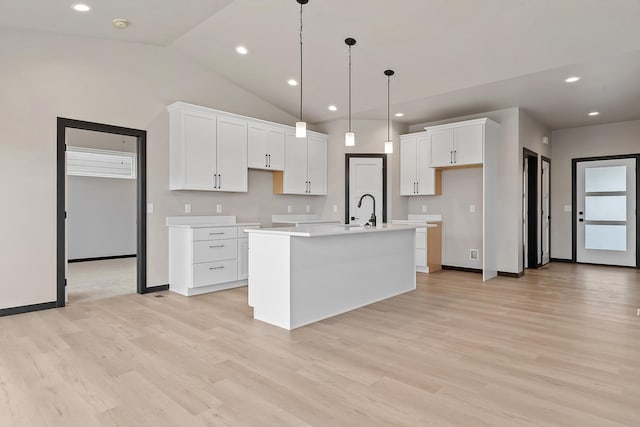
[(214, 234), (216, 268), (216, 246)]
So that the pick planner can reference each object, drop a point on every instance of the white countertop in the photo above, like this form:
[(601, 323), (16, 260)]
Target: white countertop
[(419, 219), (320, 230), (295, 219), (206, 222)]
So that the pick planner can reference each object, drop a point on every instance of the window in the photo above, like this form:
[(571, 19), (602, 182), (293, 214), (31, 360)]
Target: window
[(101, 163)]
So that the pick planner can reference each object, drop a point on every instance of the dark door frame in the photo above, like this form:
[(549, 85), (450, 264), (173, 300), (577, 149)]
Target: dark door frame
[(548, 160), (348, 156), (141, 200), (574, 200), (530, 158)]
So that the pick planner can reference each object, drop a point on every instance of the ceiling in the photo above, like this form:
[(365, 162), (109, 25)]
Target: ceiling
[(451, 57)]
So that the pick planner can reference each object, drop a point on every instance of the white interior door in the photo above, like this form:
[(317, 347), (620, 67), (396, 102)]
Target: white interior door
[(546, 218), (365, 177), (606, 212)]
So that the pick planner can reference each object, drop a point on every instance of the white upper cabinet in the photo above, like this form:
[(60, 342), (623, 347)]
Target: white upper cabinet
[(317, 164), (266, 146), (232, 155), (208, 150), (305, 169), (417, 178), (458, 144)]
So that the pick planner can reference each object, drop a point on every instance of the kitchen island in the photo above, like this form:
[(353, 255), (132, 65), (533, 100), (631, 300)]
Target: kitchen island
[(299, 275)]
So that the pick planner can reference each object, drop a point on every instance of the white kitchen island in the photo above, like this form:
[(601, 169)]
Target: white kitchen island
[(299, 275)]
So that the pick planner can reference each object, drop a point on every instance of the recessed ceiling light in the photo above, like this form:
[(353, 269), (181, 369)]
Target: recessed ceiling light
[(399, 114), (572, 79), (81, 7), (242, 50), (292, 82), (594, 113), (333, 108)]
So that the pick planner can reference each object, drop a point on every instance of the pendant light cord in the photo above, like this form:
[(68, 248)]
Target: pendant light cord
[(349, 88), (388, 108), (300, 61)]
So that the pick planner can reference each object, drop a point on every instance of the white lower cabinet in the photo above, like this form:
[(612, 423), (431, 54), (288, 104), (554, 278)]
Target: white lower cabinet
[(206, 259)]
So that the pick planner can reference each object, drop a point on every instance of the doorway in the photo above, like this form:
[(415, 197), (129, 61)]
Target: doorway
[(605, 224), (138, 137), (365, 174), (545, 214), (530, 208)]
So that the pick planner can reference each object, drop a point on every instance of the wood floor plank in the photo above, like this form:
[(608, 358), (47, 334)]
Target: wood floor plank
[(560, 346)]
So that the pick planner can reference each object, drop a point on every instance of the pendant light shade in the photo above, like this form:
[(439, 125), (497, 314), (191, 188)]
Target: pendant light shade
[(301, 125), (388, 144), (349, 136)]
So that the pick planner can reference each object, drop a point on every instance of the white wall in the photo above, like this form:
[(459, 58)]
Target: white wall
[(460, 188), (567, 144), (370, 137), (101, 217), (44, 76)]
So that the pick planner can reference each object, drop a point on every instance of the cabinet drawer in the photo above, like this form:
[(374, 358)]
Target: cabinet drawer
[(215, 233), (215, 250), (421, 238), (213, 273), (242, 234)]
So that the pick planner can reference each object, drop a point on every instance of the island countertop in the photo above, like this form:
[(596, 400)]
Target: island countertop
[(320, 230)]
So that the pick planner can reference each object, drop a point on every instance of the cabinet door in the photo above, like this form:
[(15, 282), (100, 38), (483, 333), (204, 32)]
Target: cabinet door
[(441, 148), (275, 149), (232, 155), (425, 175), (258, 146), (408, 165), (295, 160), (198, 150), (317, 164), (468, 144), (243, 259)]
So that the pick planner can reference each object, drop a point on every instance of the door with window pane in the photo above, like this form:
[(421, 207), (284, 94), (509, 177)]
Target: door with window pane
[(606, 212)]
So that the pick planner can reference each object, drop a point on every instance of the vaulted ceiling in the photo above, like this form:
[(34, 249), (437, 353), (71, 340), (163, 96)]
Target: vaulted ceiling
[(450, 57)]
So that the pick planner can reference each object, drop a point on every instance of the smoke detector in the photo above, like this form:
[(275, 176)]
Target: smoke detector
[(120, 23)]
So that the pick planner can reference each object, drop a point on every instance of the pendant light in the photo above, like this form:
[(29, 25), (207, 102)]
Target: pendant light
[(388, 145), (349, 136), (301, 126)]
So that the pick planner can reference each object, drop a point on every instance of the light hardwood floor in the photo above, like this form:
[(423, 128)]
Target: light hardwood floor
[(560, 346)]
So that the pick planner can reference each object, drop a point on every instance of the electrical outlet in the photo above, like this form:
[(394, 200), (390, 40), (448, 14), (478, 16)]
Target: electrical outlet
[(424, 208), (219, 208), (638, 312), (308, 208), (149, 208), (289, 209), (335, 208), (187, 208), (472, 208), (473, 254)]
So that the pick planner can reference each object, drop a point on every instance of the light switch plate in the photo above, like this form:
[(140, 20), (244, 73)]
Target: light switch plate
[(219, 208), (472, 208), (567, 208), (308, 208), (424, 208), (335, 208), (149, 208), (289, 209), (187, 208)]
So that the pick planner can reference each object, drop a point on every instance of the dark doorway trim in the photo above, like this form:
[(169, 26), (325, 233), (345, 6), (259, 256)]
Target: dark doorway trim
[(548, 160), (141, 215), (574, 200), (530, 158), (384, 182)]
